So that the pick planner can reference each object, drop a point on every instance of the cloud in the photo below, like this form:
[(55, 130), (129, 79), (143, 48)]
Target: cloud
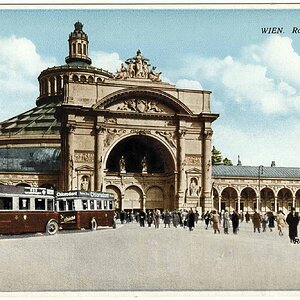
[(257, 146), (264, 76), (20, 65), (189, 84), (107, 61)]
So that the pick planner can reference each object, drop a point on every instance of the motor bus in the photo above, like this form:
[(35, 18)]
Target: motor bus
[(88, 210), (27, 210)]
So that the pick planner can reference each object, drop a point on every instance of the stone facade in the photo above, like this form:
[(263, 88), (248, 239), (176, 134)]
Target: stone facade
[(128, 133)]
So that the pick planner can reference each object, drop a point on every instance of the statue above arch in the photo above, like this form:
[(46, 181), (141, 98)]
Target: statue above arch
[(138, 67)]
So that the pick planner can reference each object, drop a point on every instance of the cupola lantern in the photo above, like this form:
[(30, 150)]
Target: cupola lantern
[(78, 46)]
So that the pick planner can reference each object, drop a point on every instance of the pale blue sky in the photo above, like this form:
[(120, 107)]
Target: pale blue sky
[(253, 76)]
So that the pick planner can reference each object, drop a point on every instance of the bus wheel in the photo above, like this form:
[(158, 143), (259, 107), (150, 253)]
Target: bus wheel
[(94, 224), (52, 227)]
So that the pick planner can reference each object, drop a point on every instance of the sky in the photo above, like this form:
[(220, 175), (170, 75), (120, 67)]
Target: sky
[(253, 76)]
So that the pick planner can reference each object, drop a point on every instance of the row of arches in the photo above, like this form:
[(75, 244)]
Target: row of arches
[(248, 199), (53, 85), (78, 48), (134, 198)]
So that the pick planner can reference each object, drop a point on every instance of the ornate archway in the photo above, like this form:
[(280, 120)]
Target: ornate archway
[(143, 161)]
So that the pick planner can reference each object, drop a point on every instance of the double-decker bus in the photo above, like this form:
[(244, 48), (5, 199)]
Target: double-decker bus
[(27, 210), (79, 209)]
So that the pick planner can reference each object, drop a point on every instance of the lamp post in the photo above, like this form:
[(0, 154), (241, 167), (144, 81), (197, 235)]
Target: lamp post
[(260, 172)]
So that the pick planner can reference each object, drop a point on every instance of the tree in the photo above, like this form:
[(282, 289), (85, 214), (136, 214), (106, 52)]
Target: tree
[(227, 162), (216, 157)]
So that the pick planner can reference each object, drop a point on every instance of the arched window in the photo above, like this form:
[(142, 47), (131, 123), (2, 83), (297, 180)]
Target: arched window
[(84, 49), (79, 49), (58, 84), (82, 78), (91, 79), (52, 85), (75, 78), (74, 48)]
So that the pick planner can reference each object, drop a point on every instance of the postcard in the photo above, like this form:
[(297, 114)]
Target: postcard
[(149, 150)]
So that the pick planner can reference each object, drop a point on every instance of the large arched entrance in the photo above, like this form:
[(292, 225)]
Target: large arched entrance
[(143, 168)]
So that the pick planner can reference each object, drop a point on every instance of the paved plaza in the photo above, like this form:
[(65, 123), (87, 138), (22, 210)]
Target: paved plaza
[(132, 258)]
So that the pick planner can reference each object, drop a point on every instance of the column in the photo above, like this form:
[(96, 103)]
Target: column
[(70, 151), (99, 133), (239, 204), (206, 167), (49, 86), (219, 203), (181, 170), (275, 204), (293, 200), (54, 86)]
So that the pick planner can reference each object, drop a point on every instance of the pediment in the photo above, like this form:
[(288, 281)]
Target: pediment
[(194, 171), (85, 168), (140, 100)]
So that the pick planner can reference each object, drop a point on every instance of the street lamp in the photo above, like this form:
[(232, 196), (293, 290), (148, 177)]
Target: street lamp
[(260, 172)]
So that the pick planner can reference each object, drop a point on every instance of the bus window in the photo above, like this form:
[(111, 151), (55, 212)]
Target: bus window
[(24, 203), (70, 204), (62, 205), (40, 204), (110, 204), (105, 204), (50, 205), (92, 204), (84, 204), (5, 203), (99, 204)]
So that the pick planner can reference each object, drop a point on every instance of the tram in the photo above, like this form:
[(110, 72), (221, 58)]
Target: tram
[(88, 210), (27, 210), (32, 210)]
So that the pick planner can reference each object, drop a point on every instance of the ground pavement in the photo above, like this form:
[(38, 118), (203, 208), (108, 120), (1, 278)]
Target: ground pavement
[(132, 258)]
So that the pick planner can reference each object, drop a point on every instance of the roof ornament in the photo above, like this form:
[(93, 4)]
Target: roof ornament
[(78, 26), (138, 67), (239, 163)]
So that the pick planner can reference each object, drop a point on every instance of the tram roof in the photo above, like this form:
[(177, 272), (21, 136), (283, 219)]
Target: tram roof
[(253, 171)]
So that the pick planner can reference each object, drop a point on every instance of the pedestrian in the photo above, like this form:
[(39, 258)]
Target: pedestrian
[(292, 220), (122, 216), (206, 219), (280, 219), (196, 216), (167, 218), (226, 221), (184, 218), (215, 217), (191, 219), (175, 218), (235, 221), (157, 218), (264, 222), (142, 217), (271, 220), (149, 218), (247, 217), (256, 220), (128, 218)]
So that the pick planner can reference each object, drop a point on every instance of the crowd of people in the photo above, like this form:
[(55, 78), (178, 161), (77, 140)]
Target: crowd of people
[(215, 220)]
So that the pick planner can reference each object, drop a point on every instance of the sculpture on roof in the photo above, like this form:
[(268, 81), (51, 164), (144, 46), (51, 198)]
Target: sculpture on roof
[(138, 67)]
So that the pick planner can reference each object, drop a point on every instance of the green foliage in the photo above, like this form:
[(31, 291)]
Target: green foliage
[(227, 162), (217, 159)]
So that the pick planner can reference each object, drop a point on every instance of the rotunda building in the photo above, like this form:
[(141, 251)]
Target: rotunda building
[(129, 133)]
